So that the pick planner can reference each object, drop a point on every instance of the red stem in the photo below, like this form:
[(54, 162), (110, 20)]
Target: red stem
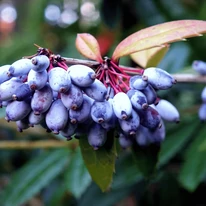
[(118, 68), (50, 67), (63, 66), (101, 75), (119, 74), (112, 84), (133, 71), (125, 85), (98, 70)]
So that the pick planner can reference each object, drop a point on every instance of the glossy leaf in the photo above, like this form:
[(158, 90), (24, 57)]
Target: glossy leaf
[(77, 177), (174, 142), (100, 163), (31, 178), (88, 46), (194, 167), (158, 36), (150, 57)]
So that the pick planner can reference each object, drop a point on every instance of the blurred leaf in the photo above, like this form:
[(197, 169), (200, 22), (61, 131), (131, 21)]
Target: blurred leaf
[(146, 158), (2, 112), (177, 12), (100, 163), (70, 48), (176, 58), (95, 197), (18, 49), (127, 173), (174, 196), (175, 140), (77, 177), (203, 144), (88, 46), (54, 197), (35, 175), (150, 57), (35, 9), (110, 12), (158, 36), (153, 16), (194, 167)]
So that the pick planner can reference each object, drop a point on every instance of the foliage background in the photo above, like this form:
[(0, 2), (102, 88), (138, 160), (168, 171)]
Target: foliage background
[(58, 176)]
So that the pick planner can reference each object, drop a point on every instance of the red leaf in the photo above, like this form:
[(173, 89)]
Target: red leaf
[(105, 40), (88, 46), (159, 35)]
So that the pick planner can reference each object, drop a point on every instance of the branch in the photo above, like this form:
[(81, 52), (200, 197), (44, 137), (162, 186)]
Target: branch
[(181, 78), (36, 144), (89, 63), (189, 78)]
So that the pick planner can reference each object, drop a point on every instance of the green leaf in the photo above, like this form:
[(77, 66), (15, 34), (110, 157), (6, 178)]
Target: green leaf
[(77, 177), (35, 175), (88, 46), (194, 167), (150, 57), (174, 141), (158, 36), (146, 158), (100, 163)]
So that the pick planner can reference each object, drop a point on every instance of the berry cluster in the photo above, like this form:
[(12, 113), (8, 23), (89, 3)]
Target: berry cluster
[(200, 67), (77, 100)]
